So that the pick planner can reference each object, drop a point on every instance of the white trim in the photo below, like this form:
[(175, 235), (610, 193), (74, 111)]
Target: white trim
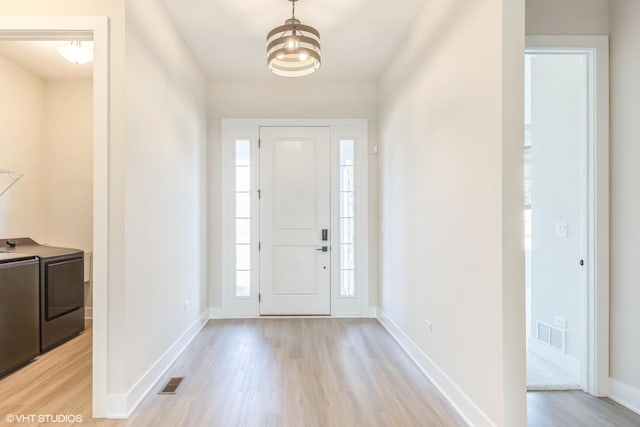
[(233, 129), (217, 313), (624, 394), (463, 404), (123, 405), (54, 27), (595, 375)]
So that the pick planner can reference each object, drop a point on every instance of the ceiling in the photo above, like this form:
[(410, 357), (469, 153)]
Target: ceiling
[(228, 37), (42, 59)]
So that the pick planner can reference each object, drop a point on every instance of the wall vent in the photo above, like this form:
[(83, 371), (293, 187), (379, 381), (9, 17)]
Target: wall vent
[(171, 386), (551, 335)]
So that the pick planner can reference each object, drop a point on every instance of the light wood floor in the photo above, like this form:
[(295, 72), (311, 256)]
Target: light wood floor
[(280, 372), (576, 409), (265, 372)]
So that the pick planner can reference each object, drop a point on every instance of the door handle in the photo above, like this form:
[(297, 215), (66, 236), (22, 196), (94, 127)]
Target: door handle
[(323, 249)]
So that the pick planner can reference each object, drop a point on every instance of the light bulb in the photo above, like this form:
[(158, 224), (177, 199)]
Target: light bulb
[(292, 44), (280, 56), (303, 57)]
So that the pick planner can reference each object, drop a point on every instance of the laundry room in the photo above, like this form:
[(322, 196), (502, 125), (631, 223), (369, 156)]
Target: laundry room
[(46, 199)]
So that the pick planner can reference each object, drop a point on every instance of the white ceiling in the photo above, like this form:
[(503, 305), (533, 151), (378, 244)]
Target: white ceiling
[(42, 59), (228, 37)]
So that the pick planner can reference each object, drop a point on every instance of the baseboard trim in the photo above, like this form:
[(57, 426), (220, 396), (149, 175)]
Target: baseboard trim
[(220, 313), (217, 313), (554, 356), (624, 394), (467, 409), (123, 405)]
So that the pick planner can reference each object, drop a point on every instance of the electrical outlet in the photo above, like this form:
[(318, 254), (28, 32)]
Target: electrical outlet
[(427, 324), (186, 305), (561, 322)]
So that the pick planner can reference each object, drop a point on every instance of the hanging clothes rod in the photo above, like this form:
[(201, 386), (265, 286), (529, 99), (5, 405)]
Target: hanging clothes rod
[(15, 177)]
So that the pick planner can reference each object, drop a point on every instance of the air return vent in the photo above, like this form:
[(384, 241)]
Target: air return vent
[(551, 335), (171, 386)]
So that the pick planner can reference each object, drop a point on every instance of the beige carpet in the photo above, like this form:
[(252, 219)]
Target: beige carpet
[(542, 375)]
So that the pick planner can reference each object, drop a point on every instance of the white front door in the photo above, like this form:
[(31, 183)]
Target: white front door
[(295, 195)]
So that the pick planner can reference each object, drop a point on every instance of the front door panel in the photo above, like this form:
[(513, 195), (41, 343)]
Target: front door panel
[(295, 198)]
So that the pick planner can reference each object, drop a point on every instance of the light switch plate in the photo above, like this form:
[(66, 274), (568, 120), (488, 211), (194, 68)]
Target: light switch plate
[(561, 230)]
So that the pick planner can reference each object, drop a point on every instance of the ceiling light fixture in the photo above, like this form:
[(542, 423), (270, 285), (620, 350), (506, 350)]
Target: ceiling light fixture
[(293, 49), (77, 52)]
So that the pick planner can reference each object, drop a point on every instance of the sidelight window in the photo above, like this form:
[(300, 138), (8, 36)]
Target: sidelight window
[(347, 219), (243, 218)]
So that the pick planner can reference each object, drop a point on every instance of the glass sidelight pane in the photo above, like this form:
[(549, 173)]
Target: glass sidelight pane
[(346, 230), (243, 283), (346, 204), (346, 178), (243, 257), (243, 231), (243, 153), (243, 205), (347, 283), (243, 178), (346, 257)]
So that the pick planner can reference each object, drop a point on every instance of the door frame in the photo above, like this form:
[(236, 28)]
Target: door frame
[(340, 129), (97, 28), (595, 301)]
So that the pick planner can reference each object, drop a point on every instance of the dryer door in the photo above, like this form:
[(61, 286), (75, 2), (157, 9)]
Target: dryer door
[(64, 287)]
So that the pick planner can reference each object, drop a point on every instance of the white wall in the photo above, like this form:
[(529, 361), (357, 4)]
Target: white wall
[(625, 205), (287, 98), (21, 138), (567, 17), (68, 163), (451, 181), (47, 134), (558, 140), (165, 228)]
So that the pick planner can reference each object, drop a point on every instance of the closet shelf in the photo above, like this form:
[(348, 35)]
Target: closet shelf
[(14, 177)]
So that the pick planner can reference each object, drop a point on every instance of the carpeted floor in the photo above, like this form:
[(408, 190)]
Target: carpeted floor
[(542, 375)]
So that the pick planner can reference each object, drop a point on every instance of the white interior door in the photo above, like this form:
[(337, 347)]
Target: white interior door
[(295, 195)]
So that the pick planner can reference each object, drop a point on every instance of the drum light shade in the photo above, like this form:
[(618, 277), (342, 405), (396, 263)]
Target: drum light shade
[(293, 49)]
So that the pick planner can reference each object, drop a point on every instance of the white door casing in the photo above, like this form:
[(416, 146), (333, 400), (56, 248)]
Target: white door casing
[(295, 206)]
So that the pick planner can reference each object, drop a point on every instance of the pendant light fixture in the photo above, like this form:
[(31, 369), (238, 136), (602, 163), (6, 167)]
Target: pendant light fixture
[(77, 52), (293, 49)]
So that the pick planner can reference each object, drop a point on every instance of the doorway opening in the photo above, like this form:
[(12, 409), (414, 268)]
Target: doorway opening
[(566, 213), (50, 29), (555, 218)]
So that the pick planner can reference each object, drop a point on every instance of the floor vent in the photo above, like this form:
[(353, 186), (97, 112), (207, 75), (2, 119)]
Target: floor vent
[(171, 386), (552, 336)]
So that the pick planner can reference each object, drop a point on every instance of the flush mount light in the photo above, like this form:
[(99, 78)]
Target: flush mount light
[(77, 52), (293, 49)]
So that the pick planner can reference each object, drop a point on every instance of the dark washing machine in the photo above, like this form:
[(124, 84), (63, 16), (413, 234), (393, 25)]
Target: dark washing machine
[(61, 290), (19, 310)]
